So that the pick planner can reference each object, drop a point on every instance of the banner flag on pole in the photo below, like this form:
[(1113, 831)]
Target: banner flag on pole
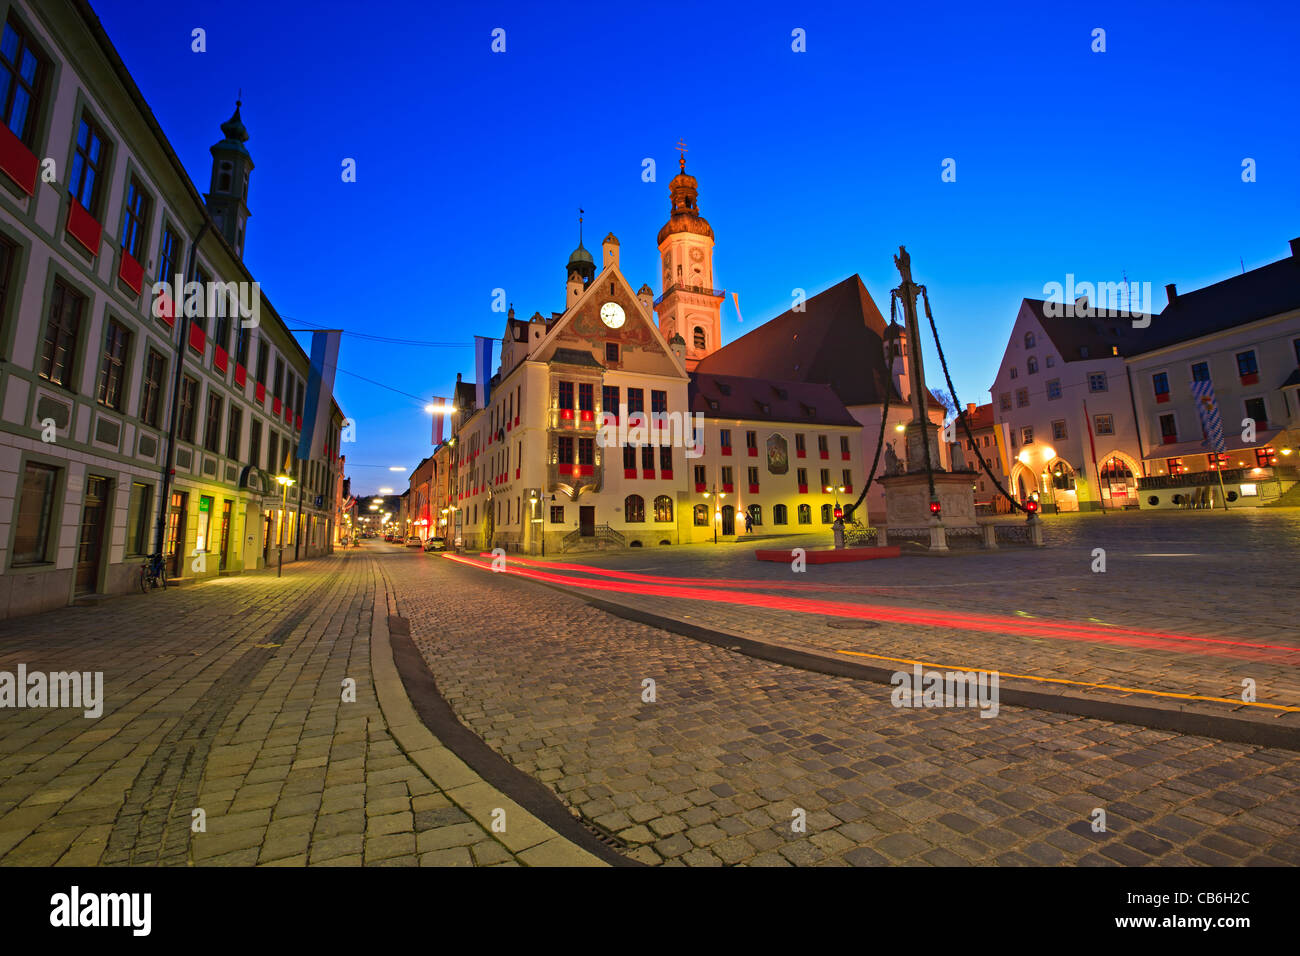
[(320, 391), (482, 370), (438, 403), (1211, 421)]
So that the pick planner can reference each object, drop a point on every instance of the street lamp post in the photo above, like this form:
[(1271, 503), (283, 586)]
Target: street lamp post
[(717, 514), (837, 490), (285, 481)]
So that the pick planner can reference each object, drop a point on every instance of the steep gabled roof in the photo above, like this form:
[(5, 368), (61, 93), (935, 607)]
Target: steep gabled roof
[(1269, 290), (1079, 337), (757, 399), (838, 340), (983, 417)]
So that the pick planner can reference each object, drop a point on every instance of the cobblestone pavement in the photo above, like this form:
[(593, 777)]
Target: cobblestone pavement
[(714, 770), (1224, 586), (224, 697)]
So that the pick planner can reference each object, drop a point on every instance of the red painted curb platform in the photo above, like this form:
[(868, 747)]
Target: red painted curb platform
[(829, 555)]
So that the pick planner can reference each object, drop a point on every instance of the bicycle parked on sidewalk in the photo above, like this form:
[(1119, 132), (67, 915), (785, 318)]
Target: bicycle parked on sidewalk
[(152, 573)]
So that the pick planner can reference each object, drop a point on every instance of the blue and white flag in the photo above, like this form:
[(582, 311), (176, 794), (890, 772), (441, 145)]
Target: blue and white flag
[(320, 392), (482, 370), (1211, 420)]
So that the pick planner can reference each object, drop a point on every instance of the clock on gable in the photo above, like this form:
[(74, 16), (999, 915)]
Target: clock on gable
[(611, 313)]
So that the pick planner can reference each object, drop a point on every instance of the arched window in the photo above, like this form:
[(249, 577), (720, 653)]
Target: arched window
[(224, 170), (805, 514), (699, 337), (663, 508), (1032, 365), (827, 517), (634, 509), (779, 514), (1062, 475), (1029, 340), (756, 514), (701, 516)]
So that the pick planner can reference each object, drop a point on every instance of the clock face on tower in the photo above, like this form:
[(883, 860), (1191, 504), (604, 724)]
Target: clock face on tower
[(697, 255), (611, 313)]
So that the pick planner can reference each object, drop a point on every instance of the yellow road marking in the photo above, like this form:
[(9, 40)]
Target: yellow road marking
[(1079, 683)]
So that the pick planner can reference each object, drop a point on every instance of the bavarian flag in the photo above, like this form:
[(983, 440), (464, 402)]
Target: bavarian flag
[(1208, 410)]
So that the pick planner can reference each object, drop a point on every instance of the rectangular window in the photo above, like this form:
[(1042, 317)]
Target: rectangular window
[(700, 476), (564, 450), (609, 399), (242, 335), (1015, 372), (151, 393), (89, 163), (1168, 429), (636, 400), (137, 518), (22, 80), (1004, 401), (629, 458), (586, 397), (1022, 397), (751, 440), (1027, 435), (169, 258), (188, 409), (1255, 409), (826, 478), (666, 459), (799, 447), (1051, 361), (566, 394), (297, 402), (726, 474), (263, 355), (847, 477), (35, 512), (1053, 389), (212, 427), (111, 368), (1160, 385), (8, 253), (1200, 371), (658, 401), (234, 432), (1058, 431), (255, 443), (272, 450), (648, 457), (135, 221), (221, 331), (278, 390), (1246, 364), (1103, 424), (844, 446), (62, 329), (557, 514), (753, 476), (611, 352), (822, 448), (1096, 381), (587, 451), (801, 477), (724, 438)]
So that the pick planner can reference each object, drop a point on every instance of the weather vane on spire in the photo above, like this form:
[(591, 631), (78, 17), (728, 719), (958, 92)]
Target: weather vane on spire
[(681, 148)]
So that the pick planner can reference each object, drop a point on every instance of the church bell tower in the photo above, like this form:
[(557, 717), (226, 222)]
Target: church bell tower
[(690, 306), (227, 196)]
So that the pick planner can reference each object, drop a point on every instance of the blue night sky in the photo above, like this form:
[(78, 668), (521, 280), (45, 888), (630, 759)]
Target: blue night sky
[(471, 165)]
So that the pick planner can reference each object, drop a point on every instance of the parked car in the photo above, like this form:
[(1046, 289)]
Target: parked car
[(436, 544), (388, 537), (413, 541)]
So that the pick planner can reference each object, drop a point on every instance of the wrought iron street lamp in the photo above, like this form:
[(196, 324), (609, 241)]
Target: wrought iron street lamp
[(717, 513), (285, 481)]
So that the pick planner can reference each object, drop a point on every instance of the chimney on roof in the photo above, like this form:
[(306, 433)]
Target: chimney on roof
[(1295, 248), (1171, 292), (970, 409)]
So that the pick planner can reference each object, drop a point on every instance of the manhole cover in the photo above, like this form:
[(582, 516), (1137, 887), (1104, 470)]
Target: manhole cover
[(853, 625)]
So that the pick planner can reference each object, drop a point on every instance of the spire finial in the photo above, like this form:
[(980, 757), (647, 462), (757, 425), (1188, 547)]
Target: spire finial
[(580, 212), (681, 148)]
